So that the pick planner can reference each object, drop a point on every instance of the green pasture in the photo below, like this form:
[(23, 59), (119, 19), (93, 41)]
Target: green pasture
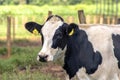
[(22, 57)]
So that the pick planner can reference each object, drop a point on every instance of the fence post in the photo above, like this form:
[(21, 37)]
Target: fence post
[(13, 24), (81, 17), (101, 19), (70, 19), (88, 19), (113, 20), (108, 20), (16, 22), (49, 13), (8, 36)]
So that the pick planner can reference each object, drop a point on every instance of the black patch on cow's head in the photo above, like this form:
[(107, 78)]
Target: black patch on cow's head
[(60, 37), (62, 34), (116, 43), (80, 53), (55, 16)]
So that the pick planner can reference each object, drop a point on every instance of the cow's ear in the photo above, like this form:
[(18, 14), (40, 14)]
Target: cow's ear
[(71, 29), (33, 27)]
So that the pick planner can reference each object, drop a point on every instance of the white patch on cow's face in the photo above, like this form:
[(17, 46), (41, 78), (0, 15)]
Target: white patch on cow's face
[(48, 31)]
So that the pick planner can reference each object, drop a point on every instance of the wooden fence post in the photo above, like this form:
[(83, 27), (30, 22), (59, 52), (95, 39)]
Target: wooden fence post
[(101, 19), (8, 36), (88, 19), (16, 22), (113, 20), (70, 19), (81, 17), (49, 13), (13, 25), (108, 20)]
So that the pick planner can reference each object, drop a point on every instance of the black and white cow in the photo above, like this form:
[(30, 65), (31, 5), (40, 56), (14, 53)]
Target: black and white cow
[(91, 54)]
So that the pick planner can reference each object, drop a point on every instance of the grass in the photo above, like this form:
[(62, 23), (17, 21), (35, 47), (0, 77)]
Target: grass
[(26, 75), (22, 58)]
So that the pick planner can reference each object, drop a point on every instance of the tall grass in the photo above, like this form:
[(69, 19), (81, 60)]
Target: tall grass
[(22, 58)]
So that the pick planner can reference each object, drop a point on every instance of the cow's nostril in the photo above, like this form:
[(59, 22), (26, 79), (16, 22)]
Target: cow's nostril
[(43, 58), (46, 56)]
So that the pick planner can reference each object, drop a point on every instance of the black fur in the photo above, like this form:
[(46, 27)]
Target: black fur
[(60, 37), (55, 16), (79, 52), (116, 43), (30, 26)]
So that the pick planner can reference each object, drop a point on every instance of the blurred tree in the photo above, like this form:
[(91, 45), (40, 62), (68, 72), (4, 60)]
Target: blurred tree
[(43, 2), (88, 1), (37, 2), (1, 2), (6, 2), (73, 2), (28, 1)]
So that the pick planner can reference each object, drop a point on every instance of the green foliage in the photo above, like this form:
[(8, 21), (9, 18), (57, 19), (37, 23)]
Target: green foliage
[(44, 2), (39, 11), (3, 51), (74, 2), (29, 10), (20, 57)]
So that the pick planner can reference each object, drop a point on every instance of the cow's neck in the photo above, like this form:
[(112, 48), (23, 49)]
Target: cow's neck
[(59, 58)]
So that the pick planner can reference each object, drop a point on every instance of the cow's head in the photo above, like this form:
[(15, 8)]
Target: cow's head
[(47, 30)]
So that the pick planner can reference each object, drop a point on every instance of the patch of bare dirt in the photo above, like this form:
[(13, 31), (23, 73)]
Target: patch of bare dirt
[(54, 70), (50, 68)]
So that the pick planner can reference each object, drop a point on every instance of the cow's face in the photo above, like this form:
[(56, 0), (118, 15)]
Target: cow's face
[(47, 53)]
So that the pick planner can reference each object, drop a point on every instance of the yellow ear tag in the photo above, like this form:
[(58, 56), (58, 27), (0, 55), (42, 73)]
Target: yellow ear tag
[(71, 33), (35, 32)]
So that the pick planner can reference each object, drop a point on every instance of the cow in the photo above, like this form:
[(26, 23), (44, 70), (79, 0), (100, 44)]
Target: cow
[(89, 54)]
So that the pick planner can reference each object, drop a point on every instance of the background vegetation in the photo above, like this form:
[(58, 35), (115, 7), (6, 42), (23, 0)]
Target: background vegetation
[(43, 2)]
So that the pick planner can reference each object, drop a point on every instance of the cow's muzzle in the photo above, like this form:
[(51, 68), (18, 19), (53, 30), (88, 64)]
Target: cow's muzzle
[(43, 58)]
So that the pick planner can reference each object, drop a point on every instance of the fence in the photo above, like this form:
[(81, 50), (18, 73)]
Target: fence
[(16, 22)]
